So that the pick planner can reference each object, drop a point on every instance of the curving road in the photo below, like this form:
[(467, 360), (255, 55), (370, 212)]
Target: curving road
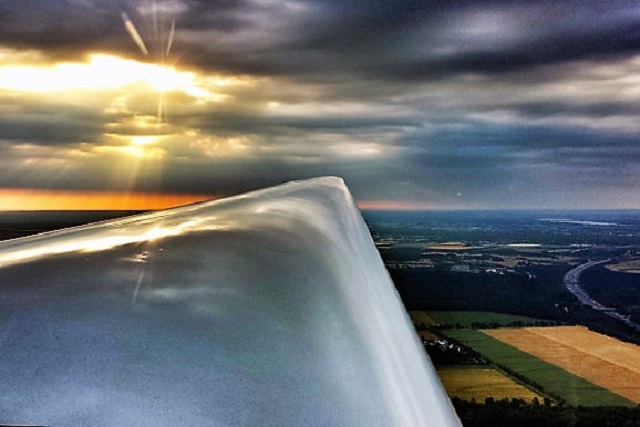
[(572, 283)]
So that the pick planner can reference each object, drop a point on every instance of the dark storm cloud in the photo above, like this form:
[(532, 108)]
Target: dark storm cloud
[(480, 138), (512, 165), (62, 28), (405, 39), (235, 123), (46, 122), (487, 147), (52, 129), (595, 109), (408, 39), (50, 132)]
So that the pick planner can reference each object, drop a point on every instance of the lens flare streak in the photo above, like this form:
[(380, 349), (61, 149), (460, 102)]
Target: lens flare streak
[(172, 32), (135, 36)]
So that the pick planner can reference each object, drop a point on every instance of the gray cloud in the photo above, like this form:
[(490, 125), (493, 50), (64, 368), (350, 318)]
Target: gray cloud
[(388, 40), (460, 103)]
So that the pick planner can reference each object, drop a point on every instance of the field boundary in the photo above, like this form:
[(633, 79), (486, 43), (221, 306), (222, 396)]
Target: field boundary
[(544, 377), (603, 361)]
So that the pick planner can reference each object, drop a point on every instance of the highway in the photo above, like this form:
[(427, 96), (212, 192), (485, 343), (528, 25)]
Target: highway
[(572, 283)]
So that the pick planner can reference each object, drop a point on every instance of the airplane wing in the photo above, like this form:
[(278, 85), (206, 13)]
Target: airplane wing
[(271, 308)]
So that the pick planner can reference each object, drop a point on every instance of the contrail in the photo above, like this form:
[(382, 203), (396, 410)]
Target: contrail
[(171, 34), (131, 29)]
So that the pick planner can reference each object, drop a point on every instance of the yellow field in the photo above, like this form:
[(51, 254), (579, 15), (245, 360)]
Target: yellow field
[(482, 382), (597, 358)]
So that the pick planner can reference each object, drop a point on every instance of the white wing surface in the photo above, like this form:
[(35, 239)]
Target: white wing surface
[(267, 309)]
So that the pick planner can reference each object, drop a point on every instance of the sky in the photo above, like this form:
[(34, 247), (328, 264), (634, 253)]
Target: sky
[(417, 104)]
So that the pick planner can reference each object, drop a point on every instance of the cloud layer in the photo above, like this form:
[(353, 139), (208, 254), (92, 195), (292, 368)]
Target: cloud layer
[(460, 104)]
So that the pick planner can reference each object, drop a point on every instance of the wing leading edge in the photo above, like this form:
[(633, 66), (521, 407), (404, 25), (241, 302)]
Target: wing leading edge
[(271, 308)]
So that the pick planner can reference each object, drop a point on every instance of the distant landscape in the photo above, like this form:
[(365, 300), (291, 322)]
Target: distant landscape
[(529, 316), (490, 294)]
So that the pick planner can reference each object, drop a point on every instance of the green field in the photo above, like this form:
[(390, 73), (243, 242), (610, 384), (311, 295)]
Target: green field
[(552, 379), (467, 318)]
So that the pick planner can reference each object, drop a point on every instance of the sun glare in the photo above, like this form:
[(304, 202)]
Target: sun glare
[(103, 72), (144, 140), (141, 147), (118, 95)]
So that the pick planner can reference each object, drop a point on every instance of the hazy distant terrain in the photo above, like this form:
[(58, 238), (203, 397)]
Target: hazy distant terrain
[(476, 282), (511, 261)]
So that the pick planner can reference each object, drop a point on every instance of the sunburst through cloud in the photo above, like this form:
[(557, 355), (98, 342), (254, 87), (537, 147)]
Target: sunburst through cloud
[(437, 104)]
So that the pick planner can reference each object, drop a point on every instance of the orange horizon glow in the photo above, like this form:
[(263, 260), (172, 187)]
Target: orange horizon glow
[(27, 199), (14, 199)]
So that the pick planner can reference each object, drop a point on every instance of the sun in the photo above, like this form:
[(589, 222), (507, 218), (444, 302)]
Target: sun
[(102, 72), (124, 102), (123, 88)]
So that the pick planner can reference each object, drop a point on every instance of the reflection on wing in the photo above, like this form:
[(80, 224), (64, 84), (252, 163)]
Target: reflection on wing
[(272, 309)]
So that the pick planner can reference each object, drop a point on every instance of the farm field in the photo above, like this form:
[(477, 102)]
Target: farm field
[(481, 382), (602, 360), (422, 317), (552, 379)]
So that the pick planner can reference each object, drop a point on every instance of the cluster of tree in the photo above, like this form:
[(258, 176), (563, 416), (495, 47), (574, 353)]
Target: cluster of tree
[(424, 289), (614, 289), (543, 297), (494, 325), (599, 322), (518, 412), (442, 354)]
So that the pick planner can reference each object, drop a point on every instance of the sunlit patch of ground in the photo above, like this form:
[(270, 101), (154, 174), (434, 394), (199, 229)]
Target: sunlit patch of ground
[(479, 383)]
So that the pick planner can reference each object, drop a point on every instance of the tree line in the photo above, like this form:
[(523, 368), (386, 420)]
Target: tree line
[(518, 412)]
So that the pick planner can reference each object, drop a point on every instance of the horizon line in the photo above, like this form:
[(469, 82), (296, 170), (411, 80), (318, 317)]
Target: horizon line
[(28, 199)]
